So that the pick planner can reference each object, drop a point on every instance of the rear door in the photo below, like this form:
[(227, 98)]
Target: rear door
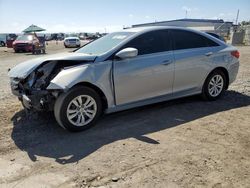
[(193, 57), (148, 75)]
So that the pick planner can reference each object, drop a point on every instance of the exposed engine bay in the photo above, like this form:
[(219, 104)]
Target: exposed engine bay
[(32, 91)]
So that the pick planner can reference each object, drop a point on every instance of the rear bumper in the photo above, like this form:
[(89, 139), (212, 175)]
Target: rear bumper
[(71, 44), (233, 71)]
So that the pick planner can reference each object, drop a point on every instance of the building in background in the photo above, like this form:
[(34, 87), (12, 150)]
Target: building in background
[(219, 27)]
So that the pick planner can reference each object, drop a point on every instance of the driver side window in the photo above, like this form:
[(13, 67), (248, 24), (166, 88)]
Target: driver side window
[(151, 42)]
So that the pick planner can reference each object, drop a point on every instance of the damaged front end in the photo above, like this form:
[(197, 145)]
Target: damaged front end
[(32, 91)]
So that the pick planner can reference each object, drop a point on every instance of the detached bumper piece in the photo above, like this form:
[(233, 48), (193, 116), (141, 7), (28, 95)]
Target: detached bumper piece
[(26, 101), (38, 101)]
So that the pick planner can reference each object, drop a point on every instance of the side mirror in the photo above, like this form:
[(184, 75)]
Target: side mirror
[(127, 53)]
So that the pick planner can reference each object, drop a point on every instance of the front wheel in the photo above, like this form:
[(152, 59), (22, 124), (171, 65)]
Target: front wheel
[(78, 109), (214, 86)]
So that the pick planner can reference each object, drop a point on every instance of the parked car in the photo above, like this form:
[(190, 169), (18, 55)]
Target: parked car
[(72, 42), (10, 38), (60, 36), (123, 70), (48, 37), (82, 36), (25, 43), (217, 36), (2, 41), (92, 36)]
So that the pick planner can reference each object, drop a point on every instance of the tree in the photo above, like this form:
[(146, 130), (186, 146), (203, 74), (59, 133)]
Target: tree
[(245, 23)]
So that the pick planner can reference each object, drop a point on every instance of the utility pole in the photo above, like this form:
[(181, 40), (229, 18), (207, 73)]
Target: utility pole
[(237, 17)]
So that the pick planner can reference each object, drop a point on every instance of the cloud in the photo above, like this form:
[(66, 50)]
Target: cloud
[(227, 16), (189, 9), (65, 28), (147, 17), (186, 8), (222, 14), (131, 16), (81, 28)]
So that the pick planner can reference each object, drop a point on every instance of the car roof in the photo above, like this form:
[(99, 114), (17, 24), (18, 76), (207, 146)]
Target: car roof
[(140, 30), (153, 28)]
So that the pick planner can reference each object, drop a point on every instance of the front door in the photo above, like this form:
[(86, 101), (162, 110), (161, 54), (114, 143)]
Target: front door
[(148, 75)]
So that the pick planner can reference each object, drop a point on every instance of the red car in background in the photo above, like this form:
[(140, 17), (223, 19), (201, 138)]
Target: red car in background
[(25, 43)]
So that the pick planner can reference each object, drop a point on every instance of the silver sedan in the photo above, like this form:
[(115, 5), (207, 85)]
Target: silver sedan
[(123, 70)]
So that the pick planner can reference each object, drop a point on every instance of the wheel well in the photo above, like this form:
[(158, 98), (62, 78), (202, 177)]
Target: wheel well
[(98, 90), (222, 69)]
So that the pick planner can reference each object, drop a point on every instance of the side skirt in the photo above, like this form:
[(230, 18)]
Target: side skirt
[(189, 92)]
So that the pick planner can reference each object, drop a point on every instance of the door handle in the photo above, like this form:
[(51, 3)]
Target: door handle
[(209, 54), (167, 62)]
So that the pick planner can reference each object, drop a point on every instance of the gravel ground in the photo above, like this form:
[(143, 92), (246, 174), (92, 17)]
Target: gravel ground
[(181, 143)]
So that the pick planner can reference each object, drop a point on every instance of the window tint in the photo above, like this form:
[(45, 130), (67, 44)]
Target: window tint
[(151, 42), (210, 43), (187, 40)]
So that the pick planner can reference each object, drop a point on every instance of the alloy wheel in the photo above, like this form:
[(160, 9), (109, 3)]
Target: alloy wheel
[(81, 110), (216, 85)]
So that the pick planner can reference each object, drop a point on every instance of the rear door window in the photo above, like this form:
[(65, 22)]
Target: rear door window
[(188, 40)]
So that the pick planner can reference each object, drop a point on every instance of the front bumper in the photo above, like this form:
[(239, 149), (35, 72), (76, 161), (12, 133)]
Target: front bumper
[(39, 100), (23, 47)]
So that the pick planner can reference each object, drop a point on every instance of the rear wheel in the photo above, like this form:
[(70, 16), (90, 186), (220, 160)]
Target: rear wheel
[(214, 86), (78, 109)]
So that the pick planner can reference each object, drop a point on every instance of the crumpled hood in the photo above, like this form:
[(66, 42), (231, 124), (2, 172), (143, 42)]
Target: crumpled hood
[(22, 70)]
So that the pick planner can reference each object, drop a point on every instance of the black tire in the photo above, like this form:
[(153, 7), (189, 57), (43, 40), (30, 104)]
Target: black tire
[(205, 90), (62, 102)]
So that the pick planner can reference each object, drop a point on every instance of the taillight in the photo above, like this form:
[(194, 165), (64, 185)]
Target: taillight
[(235, 54)]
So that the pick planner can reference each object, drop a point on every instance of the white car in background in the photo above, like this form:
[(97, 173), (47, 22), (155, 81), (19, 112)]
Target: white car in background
[(72, 42)]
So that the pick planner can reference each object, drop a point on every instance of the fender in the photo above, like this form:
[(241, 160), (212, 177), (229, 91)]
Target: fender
[(98, 74)]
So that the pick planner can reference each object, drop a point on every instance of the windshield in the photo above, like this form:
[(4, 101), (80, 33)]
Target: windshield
[(105, 43), (25, 37)]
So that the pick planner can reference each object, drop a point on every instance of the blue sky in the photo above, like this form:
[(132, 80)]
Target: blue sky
[(110, 15)]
